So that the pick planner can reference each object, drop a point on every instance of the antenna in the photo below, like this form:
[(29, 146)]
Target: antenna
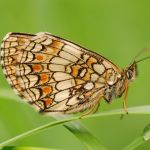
[(142, 59), (139, 53)]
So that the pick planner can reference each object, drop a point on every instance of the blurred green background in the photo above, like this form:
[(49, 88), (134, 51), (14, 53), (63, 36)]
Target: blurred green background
[(116, 29)]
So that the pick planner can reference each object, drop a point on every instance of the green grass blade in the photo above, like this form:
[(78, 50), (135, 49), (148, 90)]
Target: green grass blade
[(132, 110), (140, 140), (135, 143), (146, 133), (26, 148), (83, 134), (35, 130)]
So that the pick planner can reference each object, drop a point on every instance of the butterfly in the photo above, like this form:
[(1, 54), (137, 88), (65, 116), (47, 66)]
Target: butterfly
[(57, 75)]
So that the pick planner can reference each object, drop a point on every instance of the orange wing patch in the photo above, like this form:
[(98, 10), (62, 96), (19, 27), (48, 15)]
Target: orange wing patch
[(44, 78), (37, 68), (47, 90), (39, 57)]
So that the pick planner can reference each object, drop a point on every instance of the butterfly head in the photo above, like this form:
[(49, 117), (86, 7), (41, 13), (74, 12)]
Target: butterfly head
[(131, 71)]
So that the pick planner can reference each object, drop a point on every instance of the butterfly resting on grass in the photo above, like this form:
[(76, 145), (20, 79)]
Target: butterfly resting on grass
[(56, 75)]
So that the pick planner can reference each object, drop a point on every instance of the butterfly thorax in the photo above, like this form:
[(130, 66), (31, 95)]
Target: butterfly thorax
[(114, 91)]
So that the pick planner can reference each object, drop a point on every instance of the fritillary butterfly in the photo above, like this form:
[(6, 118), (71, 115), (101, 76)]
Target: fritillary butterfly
[(56, 75)]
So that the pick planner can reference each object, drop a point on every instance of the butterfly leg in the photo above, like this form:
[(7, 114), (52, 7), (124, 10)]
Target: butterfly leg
[(124, 100), (125, 97)]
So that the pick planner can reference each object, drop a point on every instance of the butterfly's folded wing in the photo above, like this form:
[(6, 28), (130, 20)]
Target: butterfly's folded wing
[(53, 74)]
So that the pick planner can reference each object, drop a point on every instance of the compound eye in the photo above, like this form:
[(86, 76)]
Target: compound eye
[(129, 74)]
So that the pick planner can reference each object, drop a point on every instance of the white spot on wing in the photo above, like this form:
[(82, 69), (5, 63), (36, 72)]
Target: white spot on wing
[(110, 82), (58, 76), (89, 86), (47, 42), (68, 56), (72, 50), (99, 68), (55, 67), (83, 72), (73, 100), (58, 60), (62, 95), (65, 84), (94, 77), (60, 106), (37, 48)]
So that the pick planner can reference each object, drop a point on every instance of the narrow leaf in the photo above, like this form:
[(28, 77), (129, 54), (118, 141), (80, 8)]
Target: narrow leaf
[(134, 144), (83, 134), (26, 148), (146, 132), (140, 140)]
